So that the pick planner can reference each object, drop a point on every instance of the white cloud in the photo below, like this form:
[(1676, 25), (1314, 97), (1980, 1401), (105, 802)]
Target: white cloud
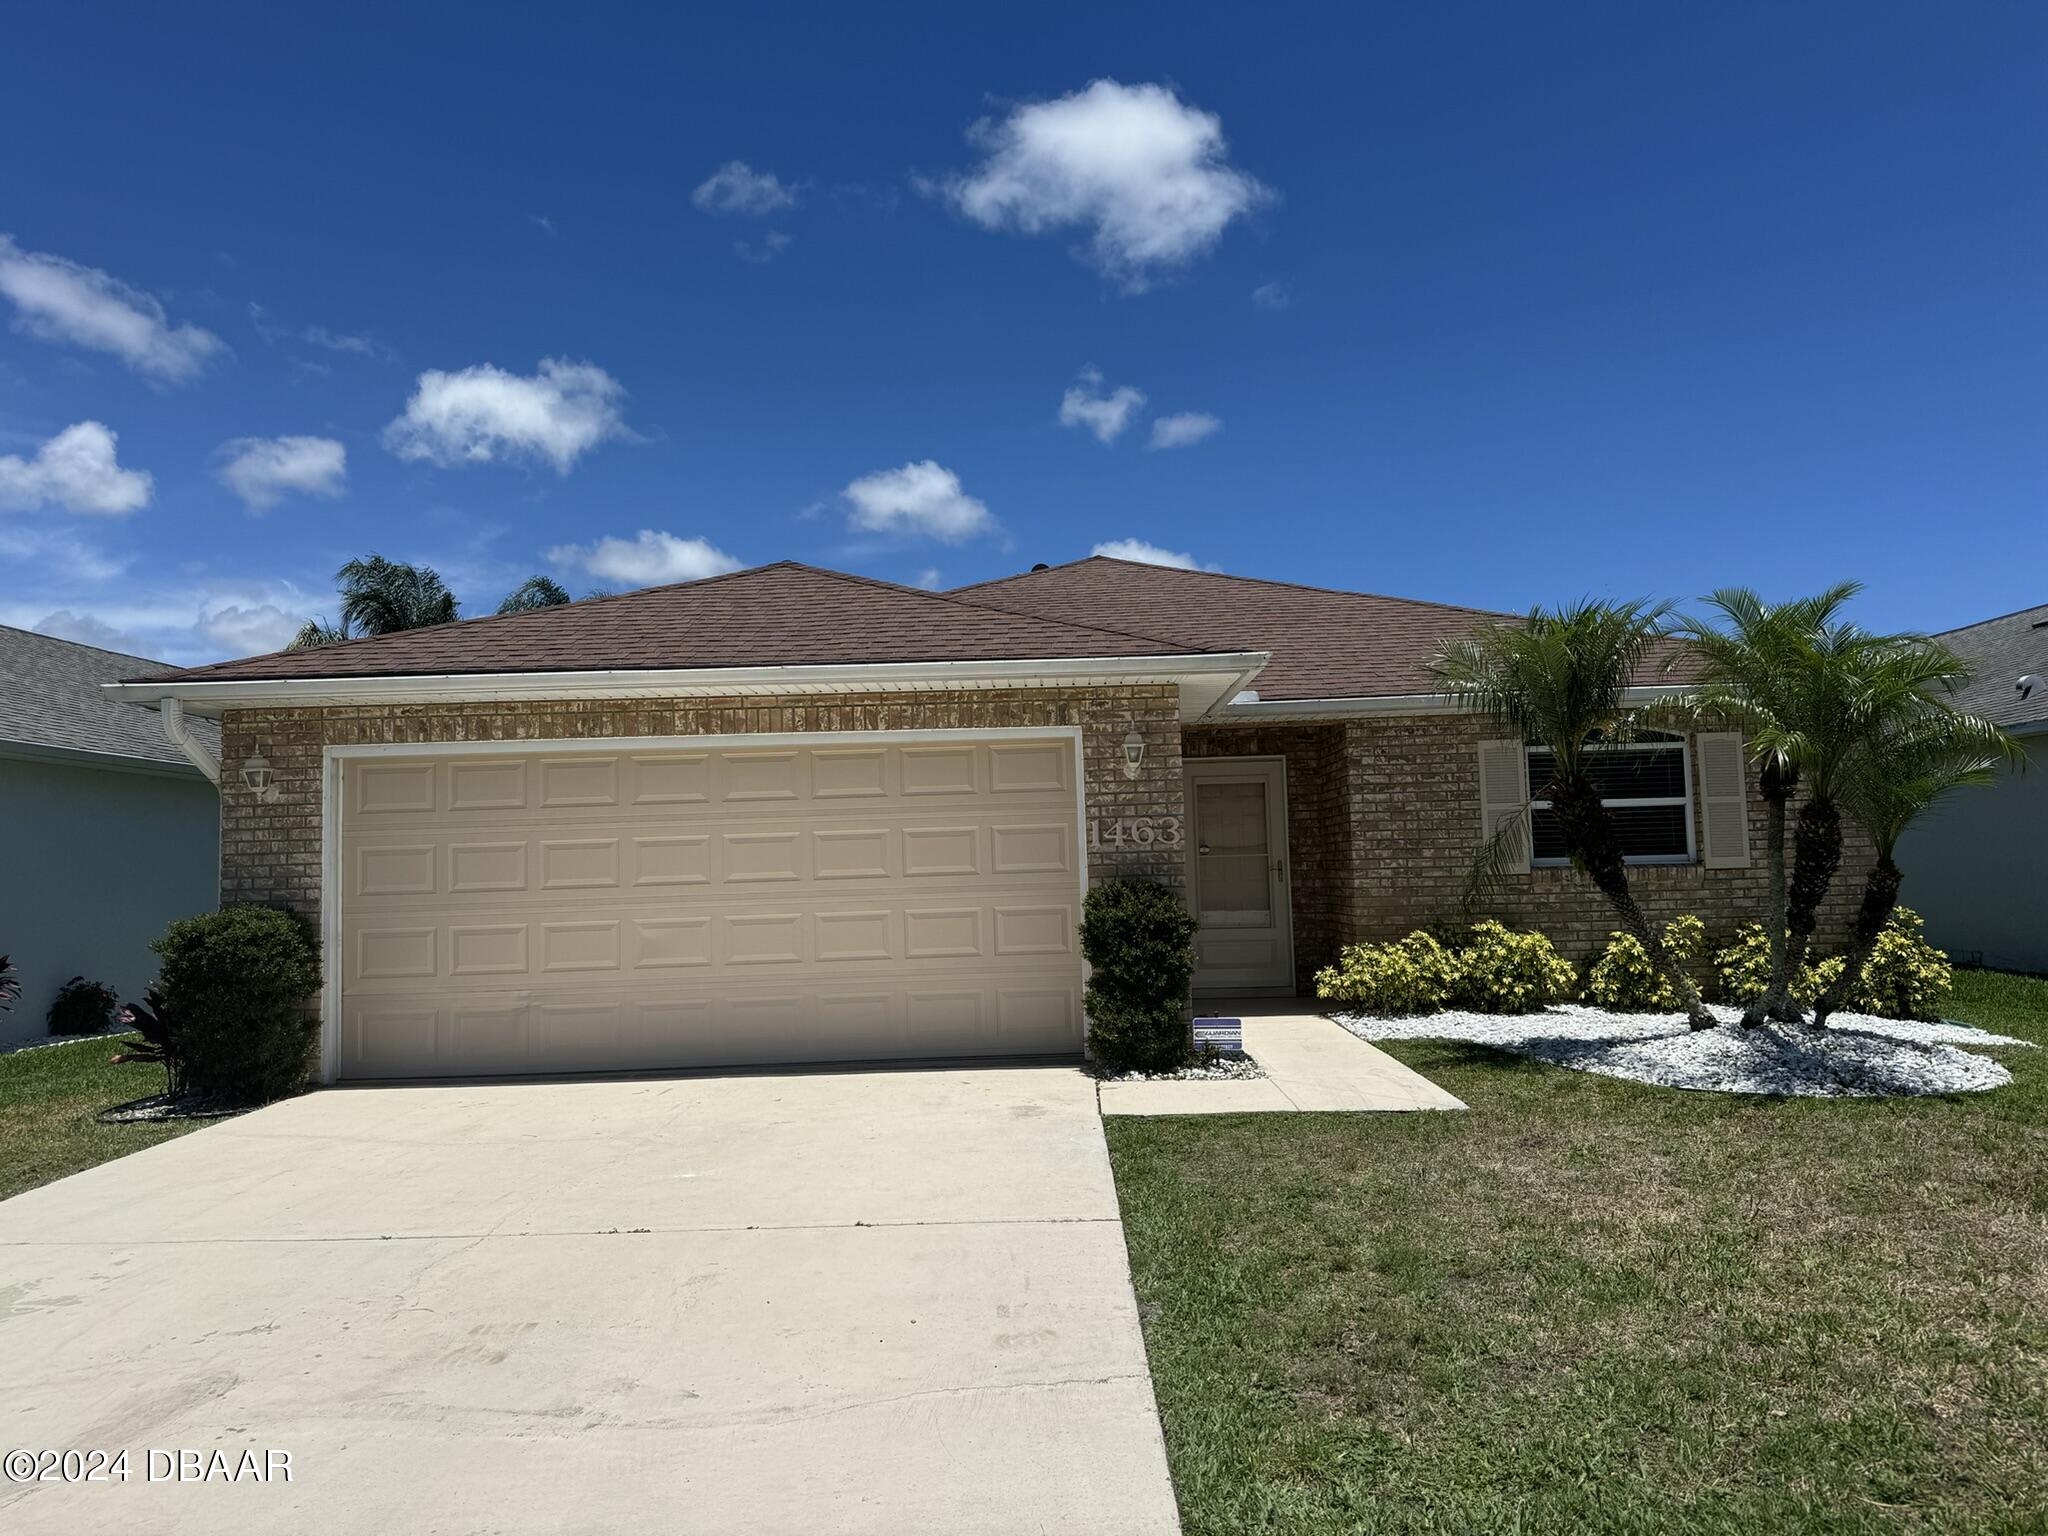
[(1106, 415), (1145, 173), (86, 630), (185, 622), (316, 336), (75, 470), (264, 470), (483, 414), (1181, 430), (929, 578), (764, 250), (66, 561), (250, 631), (61, 301), (1149, 554), (649, 560), (922, 498), (1272, 296), (736, 187)]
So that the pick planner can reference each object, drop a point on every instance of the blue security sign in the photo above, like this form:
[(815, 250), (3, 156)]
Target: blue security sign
[(1219, 1034)]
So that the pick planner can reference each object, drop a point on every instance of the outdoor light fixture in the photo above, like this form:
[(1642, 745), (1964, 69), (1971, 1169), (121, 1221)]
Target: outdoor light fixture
[(257, 775), (1134, 754)]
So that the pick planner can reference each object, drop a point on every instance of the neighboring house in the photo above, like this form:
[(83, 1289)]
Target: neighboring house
[(107, 831), (1977, 867), (794, 815)]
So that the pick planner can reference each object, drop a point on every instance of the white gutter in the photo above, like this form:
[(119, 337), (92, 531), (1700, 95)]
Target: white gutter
[(1397, 704), (1225, 672), (172, 710)]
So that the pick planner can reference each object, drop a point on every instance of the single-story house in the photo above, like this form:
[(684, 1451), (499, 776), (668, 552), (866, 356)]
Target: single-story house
[(794, 815), (1977, 867), (107, 830)]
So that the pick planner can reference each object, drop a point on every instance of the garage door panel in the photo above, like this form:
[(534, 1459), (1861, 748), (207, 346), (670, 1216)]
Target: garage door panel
[(555, 911)]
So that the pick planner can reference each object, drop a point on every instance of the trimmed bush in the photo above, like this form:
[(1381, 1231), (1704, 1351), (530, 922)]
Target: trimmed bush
[(1742, 969), (82, 1008), (1505, 970), (1139, 943), (1906, 977), (1624, 979), (1412, 975), (237, 981)]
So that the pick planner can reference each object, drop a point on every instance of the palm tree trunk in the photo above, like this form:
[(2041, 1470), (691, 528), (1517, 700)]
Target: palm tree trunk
[(1776, 785), (1595, 846), (1880, 899), (1816, 855)]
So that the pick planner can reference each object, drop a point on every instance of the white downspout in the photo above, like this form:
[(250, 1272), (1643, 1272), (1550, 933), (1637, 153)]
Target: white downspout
[(173, 713)]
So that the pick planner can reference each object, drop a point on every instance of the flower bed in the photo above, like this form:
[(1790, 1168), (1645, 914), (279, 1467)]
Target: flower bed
[(1856, 1056)]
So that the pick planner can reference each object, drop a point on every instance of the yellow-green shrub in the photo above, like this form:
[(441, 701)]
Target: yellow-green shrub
[(1623, 977), (1742, 969), (1505, 970), (1906, 977), (1412, 975)]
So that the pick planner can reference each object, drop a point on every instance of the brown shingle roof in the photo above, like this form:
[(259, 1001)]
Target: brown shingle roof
[(1326, 644), (784, 614)]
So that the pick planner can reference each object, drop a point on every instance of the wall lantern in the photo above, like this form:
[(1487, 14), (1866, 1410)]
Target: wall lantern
[(257, 775), (1134, 754)]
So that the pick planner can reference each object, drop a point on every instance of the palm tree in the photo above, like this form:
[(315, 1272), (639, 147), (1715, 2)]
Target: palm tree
[(1850, 688), (534, 592), (1560, 679), (317, 632), (381, 597), (1754, 660), (1908, 766)]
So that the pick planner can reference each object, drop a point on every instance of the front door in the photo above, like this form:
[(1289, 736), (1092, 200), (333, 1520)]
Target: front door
[(1237, 872)]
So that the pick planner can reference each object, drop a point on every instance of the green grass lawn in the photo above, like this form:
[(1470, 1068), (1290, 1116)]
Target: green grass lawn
[(48, 1101), (1588, 1305)]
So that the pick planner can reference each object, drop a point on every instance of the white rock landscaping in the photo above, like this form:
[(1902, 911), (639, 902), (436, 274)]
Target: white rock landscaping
[(1223, 1066), (1856, 1056)]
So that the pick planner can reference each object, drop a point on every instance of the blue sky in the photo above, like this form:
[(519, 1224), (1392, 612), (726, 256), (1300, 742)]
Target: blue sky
[(1493, 305)]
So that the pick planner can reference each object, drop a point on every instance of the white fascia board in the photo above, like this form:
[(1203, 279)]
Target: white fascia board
[(1396, 704), (1204, 678)]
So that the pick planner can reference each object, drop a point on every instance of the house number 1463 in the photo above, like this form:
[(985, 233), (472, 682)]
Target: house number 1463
[(1134, 832)]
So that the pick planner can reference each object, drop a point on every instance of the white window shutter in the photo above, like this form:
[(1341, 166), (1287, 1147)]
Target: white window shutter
[(1724, 800), (1504, 793)]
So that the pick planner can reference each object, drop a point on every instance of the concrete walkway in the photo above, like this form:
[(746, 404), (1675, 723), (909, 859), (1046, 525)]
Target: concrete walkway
[(1310, 1064), (846, 1302)]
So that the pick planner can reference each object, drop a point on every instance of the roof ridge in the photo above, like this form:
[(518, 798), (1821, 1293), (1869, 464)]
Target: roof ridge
[(1264, 581), (523, 613), (958, 601), (1997, 618), (85, 645)]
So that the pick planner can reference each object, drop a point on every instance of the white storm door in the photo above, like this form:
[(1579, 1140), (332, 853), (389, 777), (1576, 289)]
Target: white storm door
[(1237, 873)]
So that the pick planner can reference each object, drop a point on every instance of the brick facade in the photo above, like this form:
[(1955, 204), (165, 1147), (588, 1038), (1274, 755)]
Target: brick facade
[(270, 852), (1383, 812), (1383, 825)]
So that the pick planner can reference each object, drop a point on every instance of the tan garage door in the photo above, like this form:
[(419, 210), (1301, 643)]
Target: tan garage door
[(576, 911)]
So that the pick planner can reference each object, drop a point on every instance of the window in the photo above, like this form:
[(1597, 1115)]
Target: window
[(1645, 782)]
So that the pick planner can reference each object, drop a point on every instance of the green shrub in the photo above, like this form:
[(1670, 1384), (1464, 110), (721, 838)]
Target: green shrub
[(1412, 975), (1139, 943), (82, 1008), (237, 981), (1906, 977), (1624, 979), (1504, 970), (1742, 969)]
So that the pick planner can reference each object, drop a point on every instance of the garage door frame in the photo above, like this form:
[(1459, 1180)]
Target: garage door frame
[(332, 757)]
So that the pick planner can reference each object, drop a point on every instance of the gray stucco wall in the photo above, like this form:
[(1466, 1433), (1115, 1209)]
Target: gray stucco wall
[(93, 863), (1977, 869)]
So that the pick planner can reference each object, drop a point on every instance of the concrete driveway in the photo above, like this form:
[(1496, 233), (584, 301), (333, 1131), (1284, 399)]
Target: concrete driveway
[(875, 1302)]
